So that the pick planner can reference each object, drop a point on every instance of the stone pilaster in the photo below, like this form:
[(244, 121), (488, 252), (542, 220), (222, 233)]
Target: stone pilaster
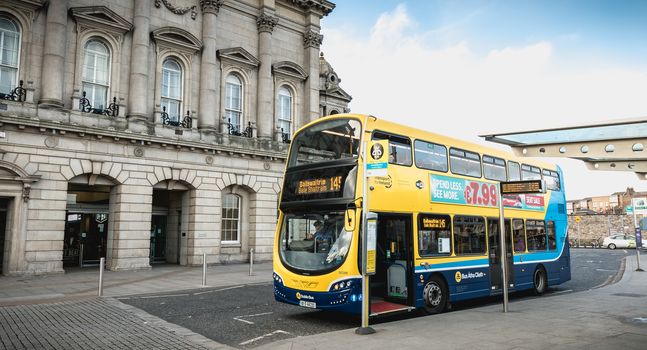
[(311, 42), (204, 225), (129, 227), (209, 70), (264, 113), (138, 89), (51, 93)]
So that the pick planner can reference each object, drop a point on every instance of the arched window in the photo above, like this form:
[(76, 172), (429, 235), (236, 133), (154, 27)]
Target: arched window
[(9, 53), (230, 230), (285, 110), (96, 73), (234, 101), (172, 89)]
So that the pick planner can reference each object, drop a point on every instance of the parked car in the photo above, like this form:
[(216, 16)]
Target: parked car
[(621, 241)]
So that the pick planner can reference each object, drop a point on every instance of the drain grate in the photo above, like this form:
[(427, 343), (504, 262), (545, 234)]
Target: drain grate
[(631, 295)]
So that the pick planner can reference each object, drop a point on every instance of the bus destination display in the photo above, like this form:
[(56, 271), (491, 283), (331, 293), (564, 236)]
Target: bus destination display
[(320, 185), (434, 222)]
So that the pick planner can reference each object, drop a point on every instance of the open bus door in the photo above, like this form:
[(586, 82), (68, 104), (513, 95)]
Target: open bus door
[(390, 287), (494, 254)]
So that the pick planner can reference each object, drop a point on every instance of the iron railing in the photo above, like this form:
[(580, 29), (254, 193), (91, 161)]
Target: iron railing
[(187, 121), (86, 107), (235, 129), (285, 137), (18, 94)]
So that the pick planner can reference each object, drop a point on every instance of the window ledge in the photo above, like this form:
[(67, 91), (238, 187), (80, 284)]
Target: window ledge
[(230, 245)]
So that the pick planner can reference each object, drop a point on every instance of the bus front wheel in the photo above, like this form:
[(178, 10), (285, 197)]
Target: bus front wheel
[(540, 280), (436, 295)]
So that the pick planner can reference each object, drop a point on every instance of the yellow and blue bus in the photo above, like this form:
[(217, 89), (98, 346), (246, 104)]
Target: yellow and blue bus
[(437, 227)]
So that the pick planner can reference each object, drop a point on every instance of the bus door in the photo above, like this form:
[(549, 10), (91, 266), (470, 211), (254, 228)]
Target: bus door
[(494, 254), (391, 288)]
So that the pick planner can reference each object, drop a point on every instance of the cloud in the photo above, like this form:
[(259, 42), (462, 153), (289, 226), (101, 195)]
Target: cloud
[(395, 74)]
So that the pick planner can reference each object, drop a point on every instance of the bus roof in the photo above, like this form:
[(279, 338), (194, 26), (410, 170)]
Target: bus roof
[(418, 134)]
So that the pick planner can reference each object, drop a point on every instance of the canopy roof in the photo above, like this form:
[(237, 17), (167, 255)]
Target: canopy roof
[(615, 146)]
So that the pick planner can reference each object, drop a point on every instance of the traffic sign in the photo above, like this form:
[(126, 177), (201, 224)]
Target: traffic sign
[(377, 162)]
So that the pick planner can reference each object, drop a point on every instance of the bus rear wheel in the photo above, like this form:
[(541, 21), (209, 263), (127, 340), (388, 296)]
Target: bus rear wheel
[(435, 294), (540, 280)]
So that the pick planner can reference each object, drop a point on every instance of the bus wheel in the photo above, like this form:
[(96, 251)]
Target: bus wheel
[(435, 295), (540, 280)]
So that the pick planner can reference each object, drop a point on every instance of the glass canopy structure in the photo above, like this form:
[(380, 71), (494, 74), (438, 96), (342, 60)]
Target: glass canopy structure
[(611, 146)]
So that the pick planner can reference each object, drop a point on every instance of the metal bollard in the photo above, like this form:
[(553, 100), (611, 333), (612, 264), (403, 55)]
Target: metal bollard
[(251, 261), (204, 269), (102, 263)]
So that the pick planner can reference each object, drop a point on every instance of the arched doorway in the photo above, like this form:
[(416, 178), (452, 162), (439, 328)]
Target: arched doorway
[(86, 237), (169, 222), (15, 187)]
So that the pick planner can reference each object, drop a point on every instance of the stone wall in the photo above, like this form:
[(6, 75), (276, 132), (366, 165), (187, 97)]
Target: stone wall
[(596, 227)]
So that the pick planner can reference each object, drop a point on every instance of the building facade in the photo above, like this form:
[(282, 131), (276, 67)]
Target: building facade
[(151, 131)]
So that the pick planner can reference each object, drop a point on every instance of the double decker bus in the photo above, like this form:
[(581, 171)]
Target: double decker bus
[(437, 226)]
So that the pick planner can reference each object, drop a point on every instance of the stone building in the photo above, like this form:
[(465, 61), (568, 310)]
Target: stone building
[(151, 131)]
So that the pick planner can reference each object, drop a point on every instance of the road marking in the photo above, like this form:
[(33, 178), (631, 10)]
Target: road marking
[(219, 290), (603, 270), (240, 318), (562, 292), (164, 296), (263, 336)]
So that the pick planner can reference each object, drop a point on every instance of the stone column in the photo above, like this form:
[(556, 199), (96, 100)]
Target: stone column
[(264, 110), (129, 227), (311, 43), (209, 70), (138, 89), (51, 92)]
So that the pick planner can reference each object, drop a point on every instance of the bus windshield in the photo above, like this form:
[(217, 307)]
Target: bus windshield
[(327, 141), (314, 242)]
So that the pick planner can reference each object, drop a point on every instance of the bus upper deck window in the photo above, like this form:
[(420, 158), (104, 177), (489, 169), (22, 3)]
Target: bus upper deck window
[(399, 148), (529, 172), (431, 156), (514, 171), (465, 162), (494, 168), (552, 180)]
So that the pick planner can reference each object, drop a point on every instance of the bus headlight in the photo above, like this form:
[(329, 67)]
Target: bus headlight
[(277, 278), (341, 285)]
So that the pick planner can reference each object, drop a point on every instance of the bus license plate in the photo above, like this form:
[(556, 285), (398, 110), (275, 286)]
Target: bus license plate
[(310, 304)]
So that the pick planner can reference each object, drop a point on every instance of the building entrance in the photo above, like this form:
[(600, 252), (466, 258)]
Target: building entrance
[(86, 225), (4, 205), (167, 241), (86, 236), (158, 239)]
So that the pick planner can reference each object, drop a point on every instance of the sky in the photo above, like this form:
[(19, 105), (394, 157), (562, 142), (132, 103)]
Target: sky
[(466, 68)]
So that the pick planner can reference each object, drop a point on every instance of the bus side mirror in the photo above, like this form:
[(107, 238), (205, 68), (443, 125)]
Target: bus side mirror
[(349, 219)]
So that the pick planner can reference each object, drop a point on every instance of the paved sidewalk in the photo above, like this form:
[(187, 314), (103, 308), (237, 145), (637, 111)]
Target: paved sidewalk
[(164, 278), (612, 317), (96, 323)]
